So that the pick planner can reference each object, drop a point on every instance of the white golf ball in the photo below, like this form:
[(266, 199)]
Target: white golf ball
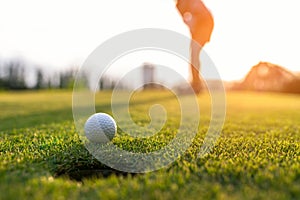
[(100, 128)]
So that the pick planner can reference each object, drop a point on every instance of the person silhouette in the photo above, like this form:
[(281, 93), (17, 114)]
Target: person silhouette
[(200, 22)]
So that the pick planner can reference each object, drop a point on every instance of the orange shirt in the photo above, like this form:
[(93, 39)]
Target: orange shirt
[(198, 18)]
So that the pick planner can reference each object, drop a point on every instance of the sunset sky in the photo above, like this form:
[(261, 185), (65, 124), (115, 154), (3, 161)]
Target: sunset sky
[(61, 33)]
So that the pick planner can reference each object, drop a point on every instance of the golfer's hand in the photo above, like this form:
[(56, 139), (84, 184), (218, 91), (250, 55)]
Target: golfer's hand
[(187, 18)]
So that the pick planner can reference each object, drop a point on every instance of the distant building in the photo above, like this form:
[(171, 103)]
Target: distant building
[(148, 76), (148, 72), (149, 79)]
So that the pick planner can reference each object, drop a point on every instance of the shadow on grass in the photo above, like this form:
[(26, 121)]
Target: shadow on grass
[(36, 118), (77, 164), (56, 116), (82, 174)]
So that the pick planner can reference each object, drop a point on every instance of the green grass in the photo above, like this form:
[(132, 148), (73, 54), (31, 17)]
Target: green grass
[(256, 157)]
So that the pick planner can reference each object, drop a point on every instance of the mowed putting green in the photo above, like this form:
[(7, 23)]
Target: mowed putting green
[(256, 157)]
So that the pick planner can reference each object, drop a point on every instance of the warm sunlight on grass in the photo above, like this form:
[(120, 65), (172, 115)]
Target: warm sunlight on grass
[(256, 157)]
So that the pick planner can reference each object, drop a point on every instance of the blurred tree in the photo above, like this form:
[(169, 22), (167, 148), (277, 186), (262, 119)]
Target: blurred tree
[(40, 82), (1, 78), (67, 79), (16, 76), (293, 86), (106, 83)]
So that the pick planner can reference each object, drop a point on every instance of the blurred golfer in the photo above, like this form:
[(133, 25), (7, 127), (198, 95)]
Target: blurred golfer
[(200, 22)]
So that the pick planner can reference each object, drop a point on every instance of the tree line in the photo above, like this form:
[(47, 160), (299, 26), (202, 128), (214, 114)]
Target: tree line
[(16, 75)]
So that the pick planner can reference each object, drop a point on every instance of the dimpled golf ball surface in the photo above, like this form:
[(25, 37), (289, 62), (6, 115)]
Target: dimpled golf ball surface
[(100, 128)]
